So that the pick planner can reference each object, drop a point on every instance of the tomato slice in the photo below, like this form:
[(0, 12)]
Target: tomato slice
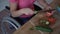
[(52, 20)]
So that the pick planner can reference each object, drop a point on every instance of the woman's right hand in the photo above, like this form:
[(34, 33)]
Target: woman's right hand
[(27, 11)]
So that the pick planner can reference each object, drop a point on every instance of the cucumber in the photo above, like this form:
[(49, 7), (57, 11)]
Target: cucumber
[(43, 29)]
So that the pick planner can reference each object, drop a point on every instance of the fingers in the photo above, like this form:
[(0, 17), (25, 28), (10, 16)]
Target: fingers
[(27, 11), (30, 13)]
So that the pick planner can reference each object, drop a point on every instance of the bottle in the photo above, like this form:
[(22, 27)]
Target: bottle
[(58, 8)]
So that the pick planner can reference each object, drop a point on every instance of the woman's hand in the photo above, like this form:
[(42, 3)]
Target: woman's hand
[(27, 11)]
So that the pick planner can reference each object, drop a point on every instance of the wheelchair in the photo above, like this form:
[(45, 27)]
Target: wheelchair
[(9, 23)]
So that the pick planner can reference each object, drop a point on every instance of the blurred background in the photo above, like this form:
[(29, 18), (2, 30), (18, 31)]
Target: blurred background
[(3, 3)]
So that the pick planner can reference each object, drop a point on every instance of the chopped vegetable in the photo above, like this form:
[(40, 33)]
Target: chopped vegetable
[(43, 29), (44, 22), (52, 20), (31, 29), (47, 22)]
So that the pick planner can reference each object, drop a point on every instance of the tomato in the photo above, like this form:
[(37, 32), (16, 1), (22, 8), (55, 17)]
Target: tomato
[(52, 20)]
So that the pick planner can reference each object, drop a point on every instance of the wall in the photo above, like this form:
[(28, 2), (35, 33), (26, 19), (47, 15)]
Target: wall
[(3, 3)]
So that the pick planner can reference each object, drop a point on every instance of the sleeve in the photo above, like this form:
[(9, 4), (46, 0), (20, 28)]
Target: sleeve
[(12, 1)]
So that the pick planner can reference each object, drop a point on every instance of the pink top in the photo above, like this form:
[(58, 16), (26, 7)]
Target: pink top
[(24, 4)]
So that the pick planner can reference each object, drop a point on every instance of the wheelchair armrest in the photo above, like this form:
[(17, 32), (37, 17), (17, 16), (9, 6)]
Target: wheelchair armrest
[(7, 7)]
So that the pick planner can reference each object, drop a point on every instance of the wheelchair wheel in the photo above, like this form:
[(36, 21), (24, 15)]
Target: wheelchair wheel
[(9, 25)]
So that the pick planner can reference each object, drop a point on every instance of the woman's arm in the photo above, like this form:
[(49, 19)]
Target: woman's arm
[(17, 13), (13, 10)]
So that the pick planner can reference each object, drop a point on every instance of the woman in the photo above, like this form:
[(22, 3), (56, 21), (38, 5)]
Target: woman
[(24, 9)]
